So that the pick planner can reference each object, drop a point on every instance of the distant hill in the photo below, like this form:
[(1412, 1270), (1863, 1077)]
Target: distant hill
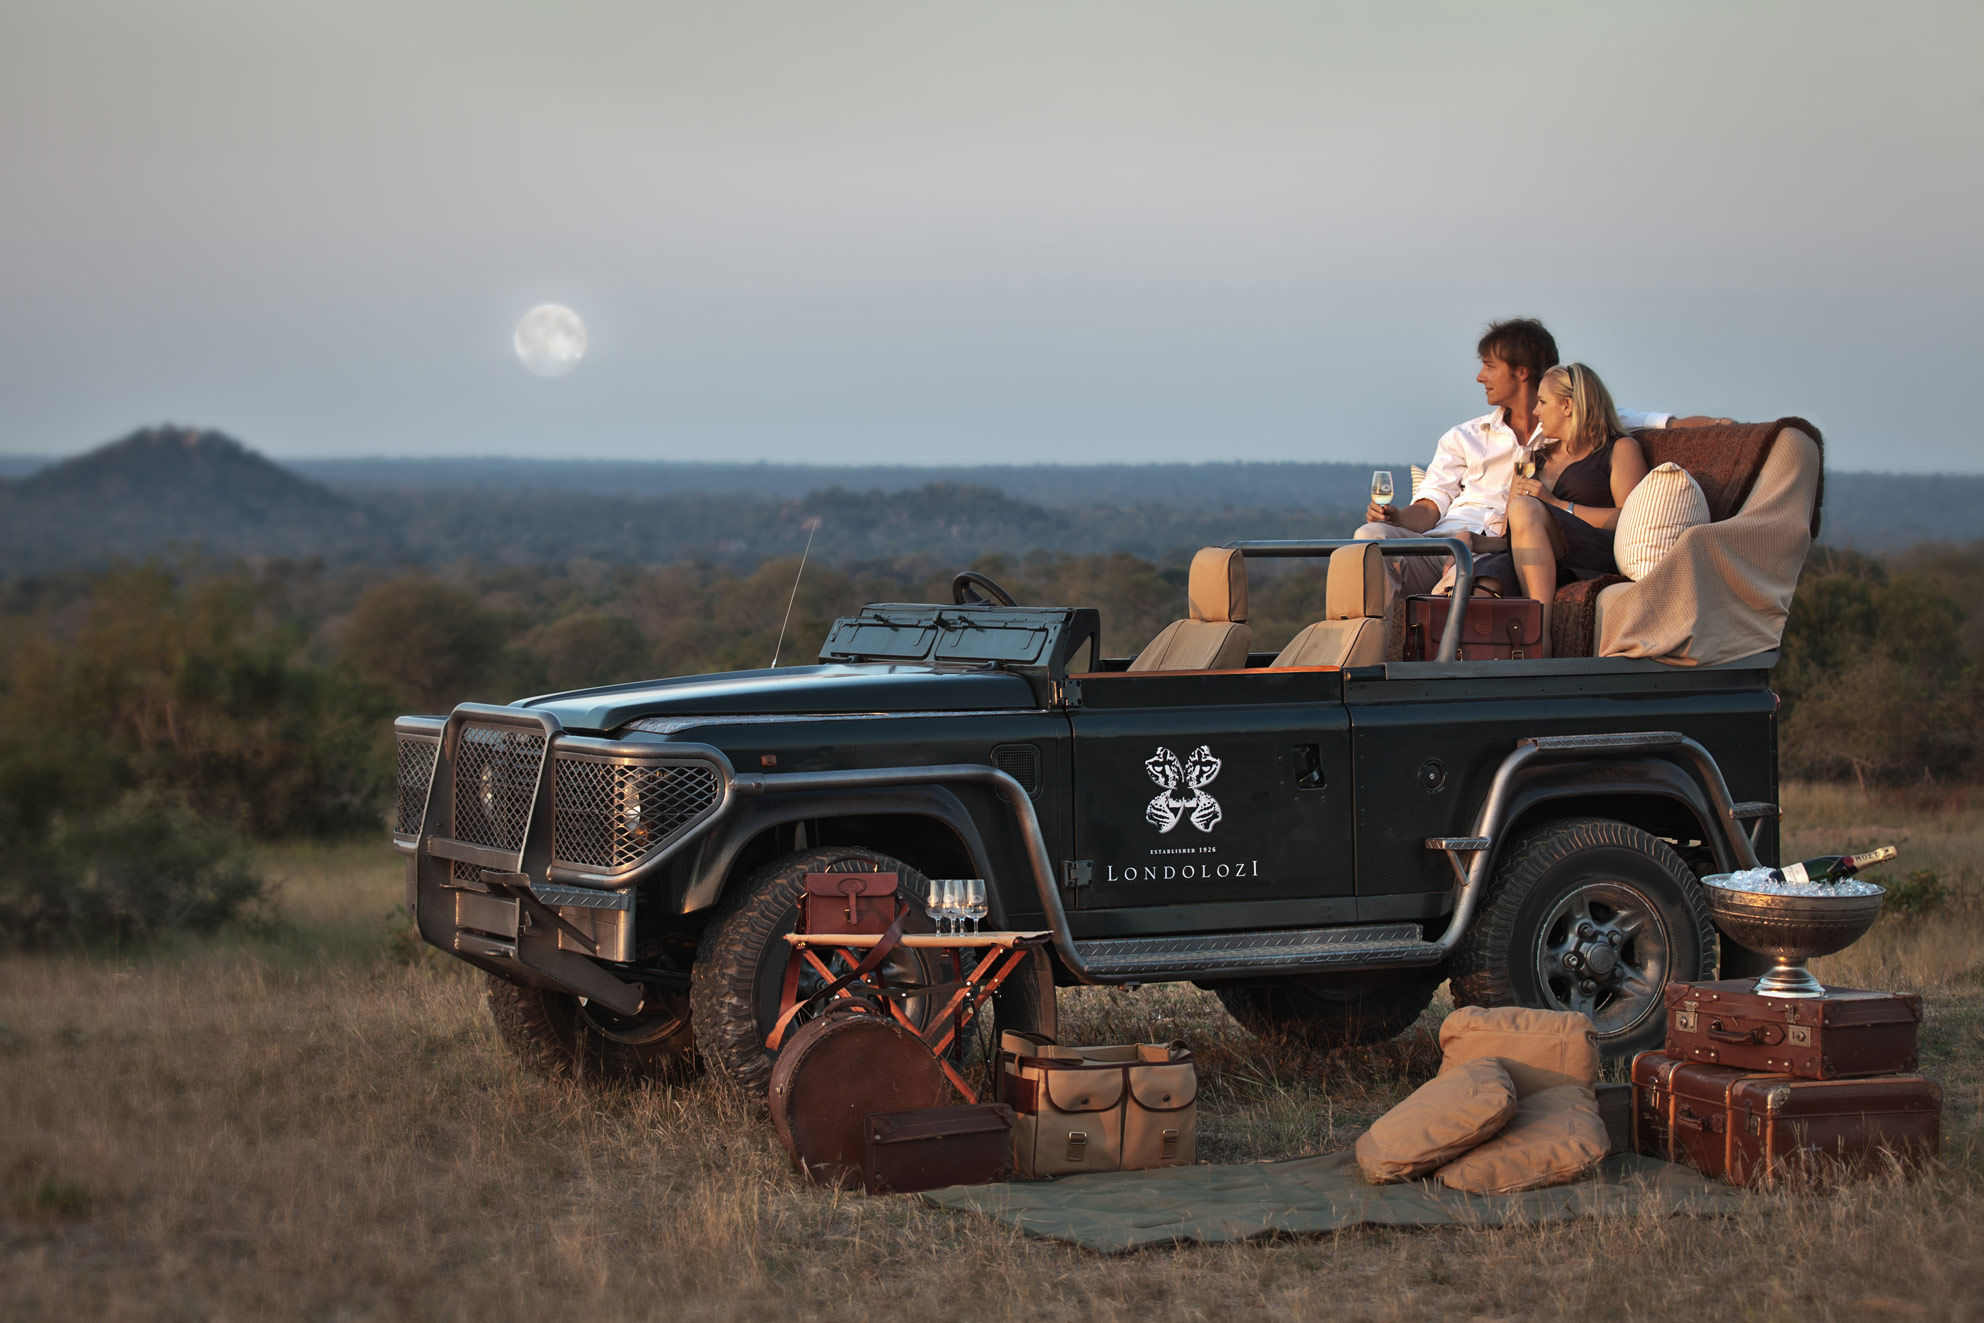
[(171, 486), (165, 487)]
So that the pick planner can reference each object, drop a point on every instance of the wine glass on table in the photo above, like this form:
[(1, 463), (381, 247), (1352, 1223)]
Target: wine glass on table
[(974, 900), (954, 905), (1381, 487), (934, 906)]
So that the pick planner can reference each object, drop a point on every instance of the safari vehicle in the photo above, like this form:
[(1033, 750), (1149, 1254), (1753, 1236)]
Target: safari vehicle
[(1320, 836)]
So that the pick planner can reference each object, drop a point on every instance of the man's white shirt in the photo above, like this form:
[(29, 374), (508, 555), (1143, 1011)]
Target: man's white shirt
[(1469, 477)]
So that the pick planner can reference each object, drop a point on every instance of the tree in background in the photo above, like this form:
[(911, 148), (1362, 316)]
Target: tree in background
[(1876, 681), (427, 643)]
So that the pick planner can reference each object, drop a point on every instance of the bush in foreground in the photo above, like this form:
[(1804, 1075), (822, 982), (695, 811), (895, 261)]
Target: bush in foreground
[(140, 868)]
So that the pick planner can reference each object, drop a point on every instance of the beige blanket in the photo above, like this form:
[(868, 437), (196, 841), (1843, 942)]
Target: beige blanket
[(1725, 589)]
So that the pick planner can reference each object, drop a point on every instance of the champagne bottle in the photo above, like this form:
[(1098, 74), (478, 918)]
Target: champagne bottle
[(1835, 867)]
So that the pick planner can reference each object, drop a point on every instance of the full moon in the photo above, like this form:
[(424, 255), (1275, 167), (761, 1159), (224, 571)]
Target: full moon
[(550, 340)]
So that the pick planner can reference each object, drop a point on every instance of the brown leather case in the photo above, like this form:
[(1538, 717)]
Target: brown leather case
[(938, 1146), (1494, 629), (850, 902), (1750, 1128), (836, 1072), (1847, 1032)]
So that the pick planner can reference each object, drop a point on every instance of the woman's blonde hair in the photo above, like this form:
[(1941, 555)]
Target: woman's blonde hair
[(1594, 420)]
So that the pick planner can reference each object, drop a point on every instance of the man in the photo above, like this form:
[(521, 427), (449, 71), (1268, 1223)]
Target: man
[(1466, 492)]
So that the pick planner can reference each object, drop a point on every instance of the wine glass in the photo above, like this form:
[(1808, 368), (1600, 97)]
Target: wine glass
[(954, 904), (974, 900), (1381, 487), (934, 906)]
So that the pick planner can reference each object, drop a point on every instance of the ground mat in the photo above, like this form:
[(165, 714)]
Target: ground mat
[(1115, 1212)]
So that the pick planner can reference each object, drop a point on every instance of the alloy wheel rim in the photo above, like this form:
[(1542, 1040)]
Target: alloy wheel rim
[(1604, 951)]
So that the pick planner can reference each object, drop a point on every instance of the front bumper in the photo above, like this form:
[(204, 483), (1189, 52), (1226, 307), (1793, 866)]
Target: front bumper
[(525, 843)]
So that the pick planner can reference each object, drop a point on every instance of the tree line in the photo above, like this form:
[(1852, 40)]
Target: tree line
[(155, 719)]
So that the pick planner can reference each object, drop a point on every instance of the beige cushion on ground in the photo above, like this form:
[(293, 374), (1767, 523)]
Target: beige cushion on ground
[(1665, 504), (1555, 1136), (1539, 1049), (1214, 639), (1354, 596), (1442, 1119)]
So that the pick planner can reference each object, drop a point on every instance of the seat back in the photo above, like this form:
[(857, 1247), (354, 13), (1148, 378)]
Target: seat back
[(1216, 637), (1355, 602)]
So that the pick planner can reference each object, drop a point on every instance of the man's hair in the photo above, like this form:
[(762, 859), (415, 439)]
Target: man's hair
[(1521, 342)]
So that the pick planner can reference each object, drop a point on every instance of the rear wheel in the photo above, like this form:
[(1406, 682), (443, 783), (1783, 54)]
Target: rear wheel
[(740, 966), (1589, 915), (567, 1037), (1324, 1014)]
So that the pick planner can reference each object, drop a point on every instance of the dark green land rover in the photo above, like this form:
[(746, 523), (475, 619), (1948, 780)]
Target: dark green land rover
[(1322, 837)]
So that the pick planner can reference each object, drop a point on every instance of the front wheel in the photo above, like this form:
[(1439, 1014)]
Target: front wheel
[(1588, 915), (567, 1037), (739, 974)]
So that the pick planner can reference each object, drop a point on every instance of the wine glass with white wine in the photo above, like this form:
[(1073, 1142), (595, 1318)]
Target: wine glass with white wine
[(1381, 487)]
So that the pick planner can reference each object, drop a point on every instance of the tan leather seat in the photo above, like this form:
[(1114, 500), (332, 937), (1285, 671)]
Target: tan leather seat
[(1355, 599), (1216, 638)]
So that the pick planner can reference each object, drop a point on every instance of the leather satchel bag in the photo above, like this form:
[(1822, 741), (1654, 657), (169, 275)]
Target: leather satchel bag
[(851, 902), (1123, 1108)]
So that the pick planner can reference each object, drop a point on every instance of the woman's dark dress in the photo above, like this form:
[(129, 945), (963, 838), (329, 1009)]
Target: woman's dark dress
[(1587, 550)]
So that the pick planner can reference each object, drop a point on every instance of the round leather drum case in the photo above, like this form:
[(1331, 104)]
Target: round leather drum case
[(832, 1075)]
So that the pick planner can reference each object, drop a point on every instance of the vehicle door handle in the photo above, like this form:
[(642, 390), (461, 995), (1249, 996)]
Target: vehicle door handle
[(1309, 766)]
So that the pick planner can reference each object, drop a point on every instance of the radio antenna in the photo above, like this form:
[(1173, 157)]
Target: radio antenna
[(812, 527)]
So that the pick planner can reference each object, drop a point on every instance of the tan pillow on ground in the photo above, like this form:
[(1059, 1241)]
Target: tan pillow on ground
[(1556, 1136), (1665, 504), (1539, 1049), (1443, 1118)]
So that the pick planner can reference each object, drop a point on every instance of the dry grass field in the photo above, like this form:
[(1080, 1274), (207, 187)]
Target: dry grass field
[(314, 1118)]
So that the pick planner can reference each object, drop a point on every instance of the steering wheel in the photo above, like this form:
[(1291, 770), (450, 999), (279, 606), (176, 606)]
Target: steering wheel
[(970, 588)]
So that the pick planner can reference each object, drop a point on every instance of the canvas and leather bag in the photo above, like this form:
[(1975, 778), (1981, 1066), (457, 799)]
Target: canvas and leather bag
[(1121, 1108)]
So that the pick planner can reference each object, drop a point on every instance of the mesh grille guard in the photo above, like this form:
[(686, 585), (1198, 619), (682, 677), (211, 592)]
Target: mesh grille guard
[(612, 807)]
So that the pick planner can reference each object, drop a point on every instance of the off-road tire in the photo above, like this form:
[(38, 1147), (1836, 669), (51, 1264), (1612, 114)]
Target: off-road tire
[(729, 983), (1503, 959), (554, 1034), (1323, 1014)]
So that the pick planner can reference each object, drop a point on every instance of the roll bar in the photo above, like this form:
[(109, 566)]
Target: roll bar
[(1273, 548)]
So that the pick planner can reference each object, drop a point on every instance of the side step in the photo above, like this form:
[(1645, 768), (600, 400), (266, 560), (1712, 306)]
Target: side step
[(1279, 951)]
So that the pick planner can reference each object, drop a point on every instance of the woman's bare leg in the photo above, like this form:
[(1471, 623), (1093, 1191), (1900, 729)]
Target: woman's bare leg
[(1532, 545)]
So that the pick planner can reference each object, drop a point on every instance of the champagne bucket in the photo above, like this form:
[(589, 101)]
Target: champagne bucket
[(1791, 929)]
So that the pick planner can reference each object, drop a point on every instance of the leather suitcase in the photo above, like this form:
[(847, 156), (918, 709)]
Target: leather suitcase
[(938, 1146), (1849, 1031), (1750, 1128), (851, 902), (1494, 629)]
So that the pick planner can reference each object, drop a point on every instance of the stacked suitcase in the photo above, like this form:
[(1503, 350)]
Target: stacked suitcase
[(1757, 1089)]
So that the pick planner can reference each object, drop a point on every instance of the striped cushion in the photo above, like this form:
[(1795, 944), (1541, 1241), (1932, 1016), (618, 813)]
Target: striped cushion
[(1666, 503)]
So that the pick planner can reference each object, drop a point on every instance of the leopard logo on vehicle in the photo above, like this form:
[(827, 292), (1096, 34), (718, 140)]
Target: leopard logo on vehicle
[(1182, 786)]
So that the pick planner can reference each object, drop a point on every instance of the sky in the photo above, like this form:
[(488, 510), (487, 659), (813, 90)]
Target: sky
[(1013, 232)]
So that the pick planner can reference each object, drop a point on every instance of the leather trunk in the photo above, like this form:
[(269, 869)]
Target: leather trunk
[(850, 902), (1494, 629), (1847, 1032), (1752, 1128), (938, 1146)]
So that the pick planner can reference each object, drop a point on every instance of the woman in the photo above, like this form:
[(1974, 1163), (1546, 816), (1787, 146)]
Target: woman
[(1561, 520)]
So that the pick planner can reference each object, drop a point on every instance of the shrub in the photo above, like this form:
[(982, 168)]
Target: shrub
[(142, 867)]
